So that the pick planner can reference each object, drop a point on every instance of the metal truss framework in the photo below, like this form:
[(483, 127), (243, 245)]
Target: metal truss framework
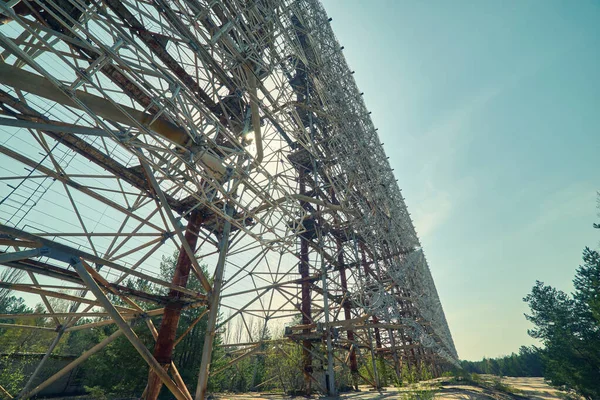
[(231, 131)]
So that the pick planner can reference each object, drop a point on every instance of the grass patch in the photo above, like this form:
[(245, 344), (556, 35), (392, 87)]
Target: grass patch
[(491, 382), (419, 395)]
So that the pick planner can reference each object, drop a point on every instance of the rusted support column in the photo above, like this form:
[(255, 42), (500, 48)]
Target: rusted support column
[(165, 343), (363, 259), (127, 331), (432, 363), (377, 334)]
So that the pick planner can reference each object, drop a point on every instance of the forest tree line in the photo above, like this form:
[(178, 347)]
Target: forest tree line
[(528, 362)]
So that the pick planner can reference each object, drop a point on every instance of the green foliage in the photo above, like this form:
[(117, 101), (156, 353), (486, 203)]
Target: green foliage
[(11, 373), (409, 375), (497, 384), (266, 369), (569, 327), (419, 395), (424, 372), (19, 346), (587, 291), (96, 392), (104, 371), (10, 304), (458, 375), (103, 374), (188, 353), (527, 363), (286, 364)]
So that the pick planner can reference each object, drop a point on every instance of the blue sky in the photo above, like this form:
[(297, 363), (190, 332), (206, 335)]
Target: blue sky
[(490, 113)]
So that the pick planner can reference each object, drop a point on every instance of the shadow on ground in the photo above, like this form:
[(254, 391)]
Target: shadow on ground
[(515, 389)]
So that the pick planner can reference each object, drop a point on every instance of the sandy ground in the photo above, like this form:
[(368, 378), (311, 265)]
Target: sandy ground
[(535, 388), (524, 388)]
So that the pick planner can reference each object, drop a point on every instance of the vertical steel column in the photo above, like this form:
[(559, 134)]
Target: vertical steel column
[(165, 343), (347, 315), (377, 333), (415, 363), (305, 296), (330, 372), (215, 296), (379, 345), (436, 364), (365, 266), (373, 361), (409, 360), (431, 361), (262, 346), (425, 362), (395, 355)]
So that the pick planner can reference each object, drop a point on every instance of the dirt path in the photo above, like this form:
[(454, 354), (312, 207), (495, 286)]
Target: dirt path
[(510, 389), (534, 388)]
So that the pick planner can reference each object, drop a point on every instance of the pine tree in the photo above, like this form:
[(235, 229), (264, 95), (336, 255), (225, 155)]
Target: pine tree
[(569, 327)]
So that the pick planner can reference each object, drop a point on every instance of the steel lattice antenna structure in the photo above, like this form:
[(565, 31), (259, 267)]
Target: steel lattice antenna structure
[(231, 131)]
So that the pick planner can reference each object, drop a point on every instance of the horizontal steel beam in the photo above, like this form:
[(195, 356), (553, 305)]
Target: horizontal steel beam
[(56, 126)]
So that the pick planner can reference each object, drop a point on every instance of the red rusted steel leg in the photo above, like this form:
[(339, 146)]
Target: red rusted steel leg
[(163, 349)]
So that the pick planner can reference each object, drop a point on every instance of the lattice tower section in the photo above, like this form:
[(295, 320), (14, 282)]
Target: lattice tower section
[(231, 133)]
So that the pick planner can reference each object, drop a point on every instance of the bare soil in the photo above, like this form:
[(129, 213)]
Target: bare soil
[(441, 388)]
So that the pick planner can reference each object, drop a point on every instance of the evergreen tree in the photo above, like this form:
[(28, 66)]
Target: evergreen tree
[(569, 327), (527, 363)]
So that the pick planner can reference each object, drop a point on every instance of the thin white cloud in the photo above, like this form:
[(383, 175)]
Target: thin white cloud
[(432, 210), (443, 144), (575, 200)]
